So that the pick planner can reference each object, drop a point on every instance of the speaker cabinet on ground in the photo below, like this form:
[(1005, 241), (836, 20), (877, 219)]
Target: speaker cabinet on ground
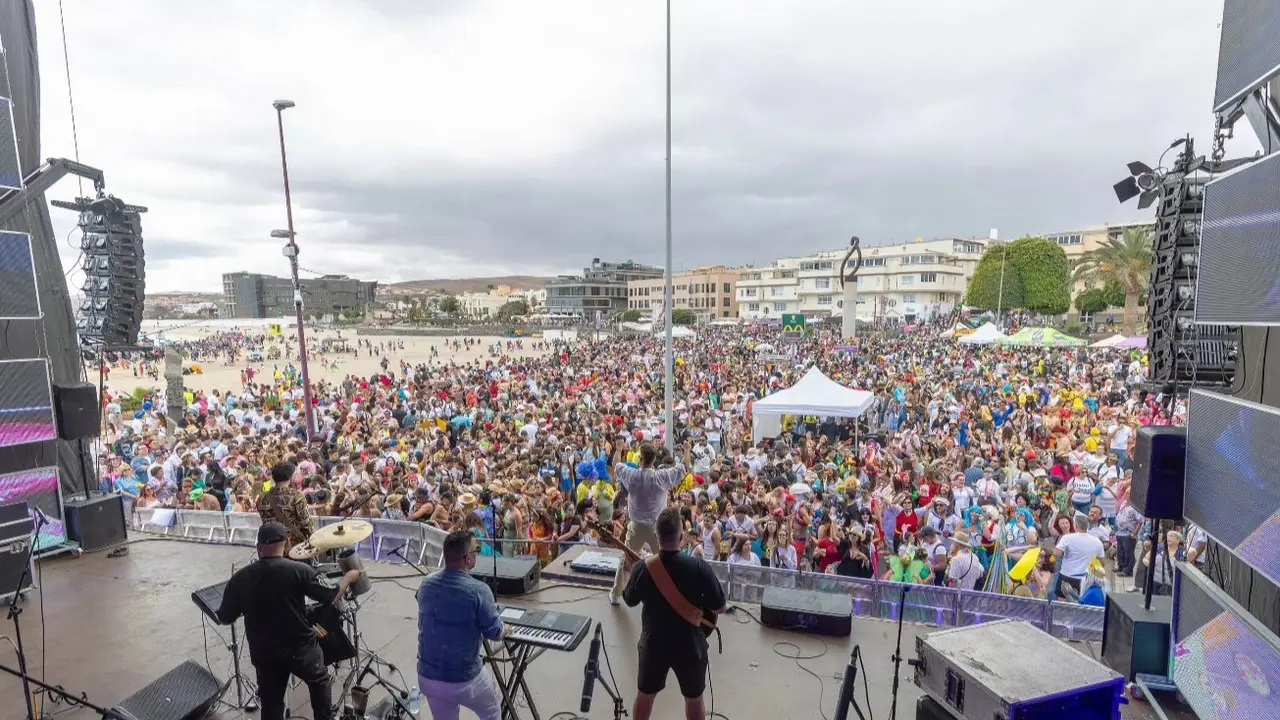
[(186, 692), (96, 523), (1159, 472), (76, 410), (1134, 639)]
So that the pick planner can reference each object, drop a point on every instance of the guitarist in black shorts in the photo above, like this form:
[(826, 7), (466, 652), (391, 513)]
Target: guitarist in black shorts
[(669, 640)]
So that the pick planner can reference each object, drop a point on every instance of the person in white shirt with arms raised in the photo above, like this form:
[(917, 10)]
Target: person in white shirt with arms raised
[(647, 491)]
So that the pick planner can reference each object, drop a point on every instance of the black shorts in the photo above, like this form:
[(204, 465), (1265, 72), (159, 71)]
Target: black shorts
[(690, 666)]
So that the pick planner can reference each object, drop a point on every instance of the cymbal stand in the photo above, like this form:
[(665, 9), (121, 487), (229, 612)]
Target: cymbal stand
[(15, 611), (370, 665)]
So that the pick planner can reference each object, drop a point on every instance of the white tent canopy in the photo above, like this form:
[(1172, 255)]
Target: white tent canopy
[(813, 394), (985, 335), (1109, 342)]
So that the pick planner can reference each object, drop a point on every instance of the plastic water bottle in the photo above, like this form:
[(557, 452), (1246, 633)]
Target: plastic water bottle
[(415, 701)]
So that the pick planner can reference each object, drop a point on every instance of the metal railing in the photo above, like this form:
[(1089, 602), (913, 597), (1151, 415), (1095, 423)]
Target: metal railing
[(925, 604)]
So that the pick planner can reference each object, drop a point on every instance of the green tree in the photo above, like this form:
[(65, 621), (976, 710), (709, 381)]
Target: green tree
[(683, 316), (1091, 301), (985, 292), (1113, 294), (1045, 273), (629, 316), (512, 309), (1125, 261), (449, 305)]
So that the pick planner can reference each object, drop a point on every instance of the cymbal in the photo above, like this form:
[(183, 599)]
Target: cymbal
[(303, 551), (341, 534)]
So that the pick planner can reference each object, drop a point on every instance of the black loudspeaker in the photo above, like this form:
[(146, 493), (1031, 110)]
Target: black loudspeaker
[(807, 610), (96, 523), (1159, 472), (1134, 639), (507, 576), (186, 692), (76, 410)]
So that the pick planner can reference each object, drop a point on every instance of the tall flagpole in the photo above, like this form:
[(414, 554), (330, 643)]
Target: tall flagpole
[(668, 353)]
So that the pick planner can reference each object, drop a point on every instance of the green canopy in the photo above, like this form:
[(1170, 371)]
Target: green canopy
[(1041, 337)]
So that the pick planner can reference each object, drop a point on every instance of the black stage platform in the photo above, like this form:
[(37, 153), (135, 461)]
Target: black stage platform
[(115, 625)]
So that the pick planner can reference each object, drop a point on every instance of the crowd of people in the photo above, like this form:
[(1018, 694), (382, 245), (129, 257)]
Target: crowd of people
[(979, 467)]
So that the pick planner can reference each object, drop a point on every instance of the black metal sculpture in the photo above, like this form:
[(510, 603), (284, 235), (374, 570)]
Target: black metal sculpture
[(847, 275)]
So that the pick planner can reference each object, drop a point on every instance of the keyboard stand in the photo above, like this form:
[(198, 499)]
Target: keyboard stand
[(509, 672)]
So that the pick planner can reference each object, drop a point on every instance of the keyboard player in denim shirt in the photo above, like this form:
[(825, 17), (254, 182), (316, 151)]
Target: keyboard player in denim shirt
[(455, 613)]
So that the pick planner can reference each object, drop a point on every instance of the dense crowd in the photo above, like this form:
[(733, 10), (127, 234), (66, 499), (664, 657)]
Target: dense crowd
[(997, 468)]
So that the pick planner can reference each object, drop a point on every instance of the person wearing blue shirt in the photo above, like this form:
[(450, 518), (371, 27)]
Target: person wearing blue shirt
[(456, 612)]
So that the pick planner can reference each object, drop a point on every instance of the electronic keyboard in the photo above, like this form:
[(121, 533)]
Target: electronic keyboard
[(553, 630)]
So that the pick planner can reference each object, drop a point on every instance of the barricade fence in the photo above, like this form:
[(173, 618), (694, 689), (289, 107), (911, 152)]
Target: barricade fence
[(879, 599)]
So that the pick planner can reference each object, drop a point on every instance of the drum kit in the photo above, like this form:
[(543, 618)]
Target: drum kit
[(332, 548)]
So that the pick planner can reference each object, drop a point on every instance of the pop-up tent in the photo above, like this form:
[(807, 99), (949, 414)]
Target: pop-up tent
[(985, 335), (1112, 341), (813, 394), (1041, 337)]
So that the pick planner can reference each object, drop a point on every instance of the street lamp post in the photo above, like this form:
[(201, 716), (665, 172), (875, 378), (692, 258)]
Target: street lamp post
[(668, 353), (291, 252), (1000, 293)]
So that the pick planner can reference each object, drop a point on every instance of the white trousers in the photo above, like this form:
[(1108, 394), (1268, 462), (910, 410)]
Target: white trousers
[(480, 695)]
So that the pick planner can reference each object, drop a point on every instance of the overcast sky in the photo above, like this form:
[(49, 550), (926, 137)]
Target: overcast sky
[(452, 138)]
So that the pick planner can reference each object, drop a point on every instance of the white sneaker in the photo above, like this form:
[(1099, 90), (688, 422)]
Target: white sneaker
[(614, 598)]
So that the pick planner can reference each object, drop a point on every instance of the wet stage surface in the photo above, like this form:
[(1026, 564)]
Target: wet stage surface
[(116, 624)]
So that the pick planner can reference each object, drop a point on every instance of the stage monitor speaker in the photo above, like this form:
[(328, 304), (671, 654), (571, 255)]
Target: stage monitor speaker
[(1134, 639), (76, 409), (1159, 472), (507, 576), (186, 692), (808, 611), (96, 523)]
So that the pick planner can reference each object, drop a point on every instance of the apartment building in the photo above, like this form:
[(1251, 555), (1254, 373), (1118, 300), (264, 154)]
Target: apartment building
[(1075, 243), (907, 281), (710, 292), (602, 287)]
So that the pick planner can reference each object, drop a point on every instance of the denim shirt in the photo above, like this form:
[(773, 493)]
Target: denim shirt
[(454, 611)]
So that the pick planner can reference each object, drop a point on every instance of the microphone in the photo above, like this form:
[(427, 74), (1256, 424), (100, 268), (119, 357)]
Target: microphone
[(591, 672)]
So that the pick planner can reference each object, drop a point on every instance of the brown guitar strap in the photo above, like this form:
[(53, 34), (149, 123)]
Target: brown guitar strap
[(691, 613)]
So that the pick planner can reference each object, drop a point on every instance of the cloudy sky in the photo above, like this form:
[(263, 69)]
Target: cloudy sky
[(454, 138)]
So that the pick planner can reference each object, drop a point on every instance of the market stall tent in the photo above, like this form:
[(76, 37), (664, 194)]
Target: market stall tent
[(985, 335), (1041, 337), (813, 394)]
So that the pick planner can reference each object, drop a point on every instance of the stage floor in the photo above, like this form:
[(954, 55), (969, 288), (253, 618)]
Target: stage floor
[(115, 625)]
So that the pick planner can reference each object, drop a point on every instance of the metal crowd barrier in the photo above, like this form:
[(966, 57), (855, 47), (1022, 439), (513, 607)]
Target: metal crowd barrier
[(423, 542), (925, 604)]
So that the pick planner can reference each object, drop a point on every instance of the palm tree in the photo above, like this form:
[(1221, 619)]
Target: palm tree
[(1126, 261)]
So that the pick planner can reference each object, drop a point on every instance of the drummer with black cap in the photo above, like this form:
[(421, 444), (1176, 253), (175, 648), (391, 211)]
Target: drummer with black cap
[(271, 595)]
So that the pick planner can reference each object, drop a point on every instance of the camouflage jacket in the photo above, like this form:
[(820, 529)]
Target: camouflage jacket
[(287, 506)]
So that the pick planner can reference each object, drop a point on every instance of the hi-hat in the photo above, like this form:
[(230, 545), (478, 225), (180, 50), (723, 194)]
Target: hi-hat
[(341, 534)]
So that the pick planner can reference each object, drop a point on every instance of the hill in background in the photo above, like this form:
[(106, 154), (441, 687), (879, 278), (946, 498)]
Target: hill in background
[(458, 286)]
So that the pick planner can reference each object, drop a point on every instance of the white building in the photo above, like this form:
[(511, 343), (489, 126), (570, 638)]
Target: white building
[(908, 282), (486, 304)]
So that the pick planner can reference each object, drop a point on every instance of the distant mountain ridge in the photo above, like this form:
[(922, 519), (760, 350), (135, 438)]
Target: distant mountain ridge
[(457, 286)]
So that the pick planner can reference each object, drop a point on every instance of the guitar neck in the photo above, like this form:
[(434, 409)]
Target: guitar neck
[(608, 538)]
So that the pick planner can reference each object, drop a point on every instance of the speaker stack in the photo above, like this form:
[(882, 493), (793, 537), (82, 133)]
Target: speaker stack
[(114, 275)]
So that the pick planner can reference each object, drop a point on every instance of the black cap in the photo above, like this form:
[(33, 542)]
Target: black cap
[(272, 533)]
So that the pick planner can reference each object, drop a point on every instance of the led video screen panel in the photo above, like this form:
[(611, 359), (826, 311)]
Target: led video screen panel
[(1224, 664), (38, 489), (1239, 280), (1249, 54), (26, 403), (18, 297), (1233, 477)]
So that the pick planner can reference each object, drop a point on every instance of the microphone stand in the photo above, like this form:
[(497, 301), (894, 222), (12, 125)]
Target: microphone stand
[(68, 698), (15, 611), (619, 707), (897, 652), (849, 689)]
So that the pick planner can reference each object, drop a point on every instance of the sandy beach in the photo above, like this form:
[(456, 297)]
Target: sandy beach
[(333, 367)]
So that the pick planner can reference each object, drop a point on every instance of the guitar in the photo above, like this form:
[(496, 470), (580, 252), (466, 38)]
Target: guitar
[(707, 624)]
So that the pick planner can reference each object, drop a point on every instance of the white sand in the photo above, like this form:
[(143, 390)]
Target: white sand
[(220, 376)]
